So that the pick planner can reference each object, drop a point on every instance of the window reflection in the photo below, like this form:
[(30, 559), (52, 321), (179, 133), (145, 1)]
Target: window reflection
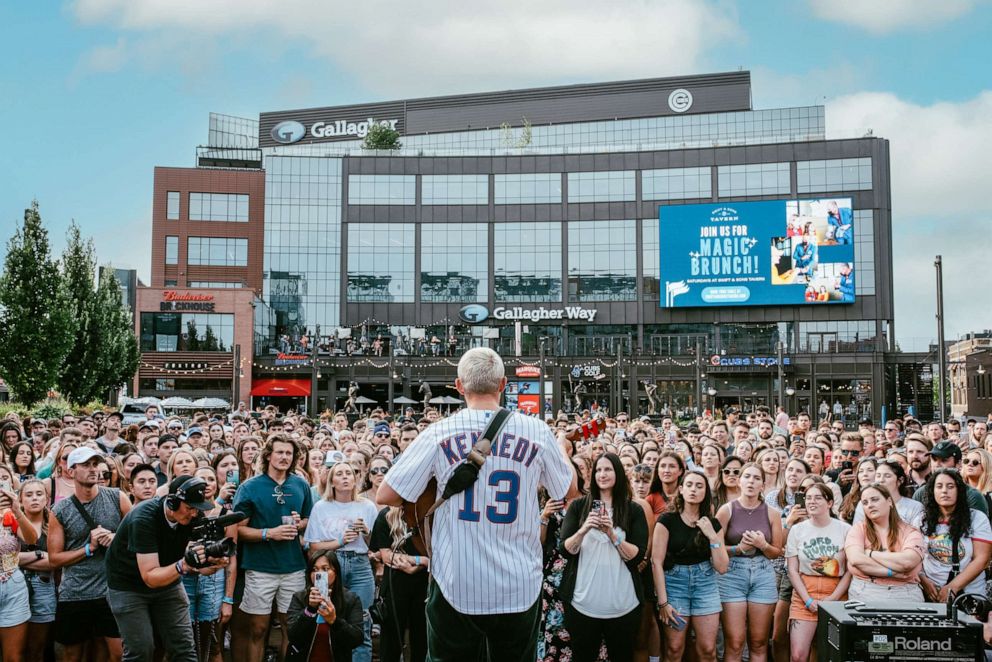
[(527, 262), (454, 262), (187, 332), (602, 261), (380, 262)]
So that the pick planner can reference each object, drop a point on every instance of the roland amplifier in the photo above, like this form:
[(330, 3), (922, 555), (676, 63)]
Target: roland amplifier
[(896, 632)]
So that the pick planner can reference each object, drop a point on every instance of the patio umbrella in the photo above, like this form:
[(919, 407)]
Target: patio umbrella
[(176, 402), (210, 403), (403, 400), (362, 400)]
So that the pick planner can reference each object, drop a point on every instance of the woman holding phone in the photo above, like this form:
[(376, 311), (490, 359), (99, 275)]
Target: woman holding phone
[(325, 619), (605, 536), (342, 522), (817, 567), (687, 553)]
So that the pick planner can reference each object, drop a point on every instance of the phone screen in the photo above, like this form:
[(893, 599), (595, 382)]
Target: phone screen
[(233, 477)]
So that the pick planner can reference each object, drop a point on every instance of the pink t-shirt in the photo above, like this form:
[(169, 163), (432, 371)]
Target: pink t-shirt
[(908, 538)]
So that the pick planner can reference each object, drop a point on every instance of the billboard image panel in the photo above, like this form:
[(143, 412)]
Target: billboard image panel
[(769, 253)]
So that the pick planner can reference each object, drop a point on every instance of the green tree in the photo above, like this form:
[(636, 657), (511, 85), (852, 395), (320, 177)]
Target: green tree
[(115, 358), (36, 322), (78, 378), (382, 137)]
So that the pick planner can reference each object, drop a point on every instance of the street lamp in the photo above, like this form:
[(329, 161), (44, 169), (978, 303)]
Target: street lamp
[(711, 391), (789, 391)]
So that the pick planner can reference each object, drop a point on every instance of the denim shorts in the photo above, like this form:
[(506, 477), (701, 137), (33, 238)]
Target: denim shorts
[(205, 594), (15, 607), (749, 579), (692, 589), (43, 597)]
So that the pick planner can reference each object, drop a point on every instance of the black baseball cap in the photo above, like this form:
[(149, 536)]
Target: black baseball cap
[(193, 496), (946, 449)]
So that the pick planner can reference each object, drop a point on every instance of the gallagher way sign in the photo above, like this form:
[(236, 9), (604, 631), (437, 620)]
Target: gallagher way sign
[(476, 313)]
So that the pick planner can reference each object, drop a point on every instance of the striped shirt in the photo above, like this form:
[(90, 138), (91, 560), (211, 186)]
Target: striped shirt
[(486, 541)]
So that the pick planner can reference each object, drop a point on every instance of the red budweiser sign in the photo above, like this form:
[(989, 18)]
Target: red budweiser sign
[(172, 295)]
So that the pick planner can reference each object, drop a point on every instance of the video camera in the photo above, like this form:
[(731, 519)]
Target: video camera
[(209, 532)]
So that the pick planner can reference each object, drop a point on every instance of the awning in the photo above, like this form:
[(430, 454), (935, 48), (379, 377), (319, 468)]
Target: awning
[(281, 387)]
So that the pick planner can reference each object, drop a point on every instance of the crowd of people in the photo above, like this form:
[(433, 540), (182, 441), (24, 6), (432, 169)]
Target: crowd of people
[(655, 539)]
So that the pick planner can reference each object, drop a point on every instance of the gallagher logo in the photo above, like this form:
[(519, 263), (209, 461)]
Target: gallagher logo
[(473, 313), (288, 132)]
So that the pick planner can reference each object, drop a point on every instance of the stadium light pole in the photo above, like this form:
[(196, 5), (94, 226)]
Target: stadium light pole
[(941, 355)]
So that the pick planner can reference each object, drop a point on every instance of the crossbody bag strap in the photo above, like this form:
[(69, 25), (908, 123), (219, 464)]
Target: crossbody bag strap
[(82, 512), (492, 430)]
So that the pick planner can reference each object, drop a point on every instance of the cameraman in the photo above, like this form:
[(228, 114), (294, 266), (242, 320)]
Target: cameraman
[(145, 564)]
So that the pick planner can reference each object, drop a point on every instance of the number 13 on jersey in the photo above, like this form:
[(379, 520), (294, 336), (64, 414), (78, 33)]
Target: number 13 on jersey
[(505, 499)]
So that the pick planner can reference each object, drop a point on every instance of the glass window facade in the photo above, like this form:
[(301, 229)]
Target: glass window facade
[(172, 250), (217, 251), (534, 188), (823, 337), (602, 261), (651, 269), (230, 207), (187, 332), (172, 206), (773, 125), (455, 189), (380, 262), (833, 175), (610, 186), (302, 277), (527, 262), (676, 184), (864, 251), (753, 179), (382, 189), (454, 262)]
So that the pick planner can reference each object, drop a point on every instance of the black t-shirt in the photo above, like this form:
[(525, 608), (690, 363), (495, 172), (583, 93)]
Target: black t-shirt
[(144, 531), (685, 547), (381, 538), (396, 581)]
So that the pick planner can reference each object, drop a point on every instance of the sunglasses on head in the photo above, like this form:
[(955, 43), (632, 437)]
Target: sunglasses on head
[(375, 471)]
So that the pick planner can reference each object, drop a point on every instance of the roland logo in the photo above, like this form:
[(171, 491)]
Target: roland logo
[(919, 644)]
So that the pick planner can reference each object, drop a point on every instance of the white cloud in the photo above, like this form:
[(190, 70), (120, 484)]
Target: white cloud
[(425, 48), (883, 16), (938, 163), (939, 153)]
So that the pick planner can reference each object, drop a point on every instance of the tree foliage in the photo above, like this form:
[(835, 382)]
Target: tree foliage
[(78, 377), (36, 321), (381, 137), (112, 335)]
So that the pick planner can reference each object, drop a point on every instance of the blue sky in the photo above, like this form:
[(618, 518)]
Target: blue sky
[(97, 92)]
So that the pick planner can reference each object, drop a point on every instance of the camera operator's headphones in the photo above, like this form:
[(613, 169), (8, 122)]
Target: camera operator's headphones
[(182, 494)]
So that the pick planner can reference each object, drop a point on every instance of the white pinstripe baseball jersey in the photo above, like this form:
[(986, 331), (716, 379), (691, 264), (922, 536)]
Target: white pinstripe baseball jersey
[(486, 541)]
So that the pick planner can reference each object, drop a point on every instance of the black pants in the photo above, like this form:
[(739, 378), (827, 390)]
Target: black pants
[(403, 598), (588, 633), (456, 637)]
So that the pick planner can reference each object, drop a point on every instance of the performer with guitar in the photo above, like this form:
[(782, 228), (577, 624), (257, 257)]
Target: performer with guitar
[(485, 537)]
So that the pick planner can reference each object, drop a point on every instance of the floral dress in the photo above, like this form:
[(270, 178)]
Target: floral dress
[(553, 640)]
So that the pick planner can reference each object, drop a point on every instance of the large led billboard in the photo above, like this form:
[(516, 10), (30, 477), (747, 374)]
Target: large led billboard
[(770, 253)]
